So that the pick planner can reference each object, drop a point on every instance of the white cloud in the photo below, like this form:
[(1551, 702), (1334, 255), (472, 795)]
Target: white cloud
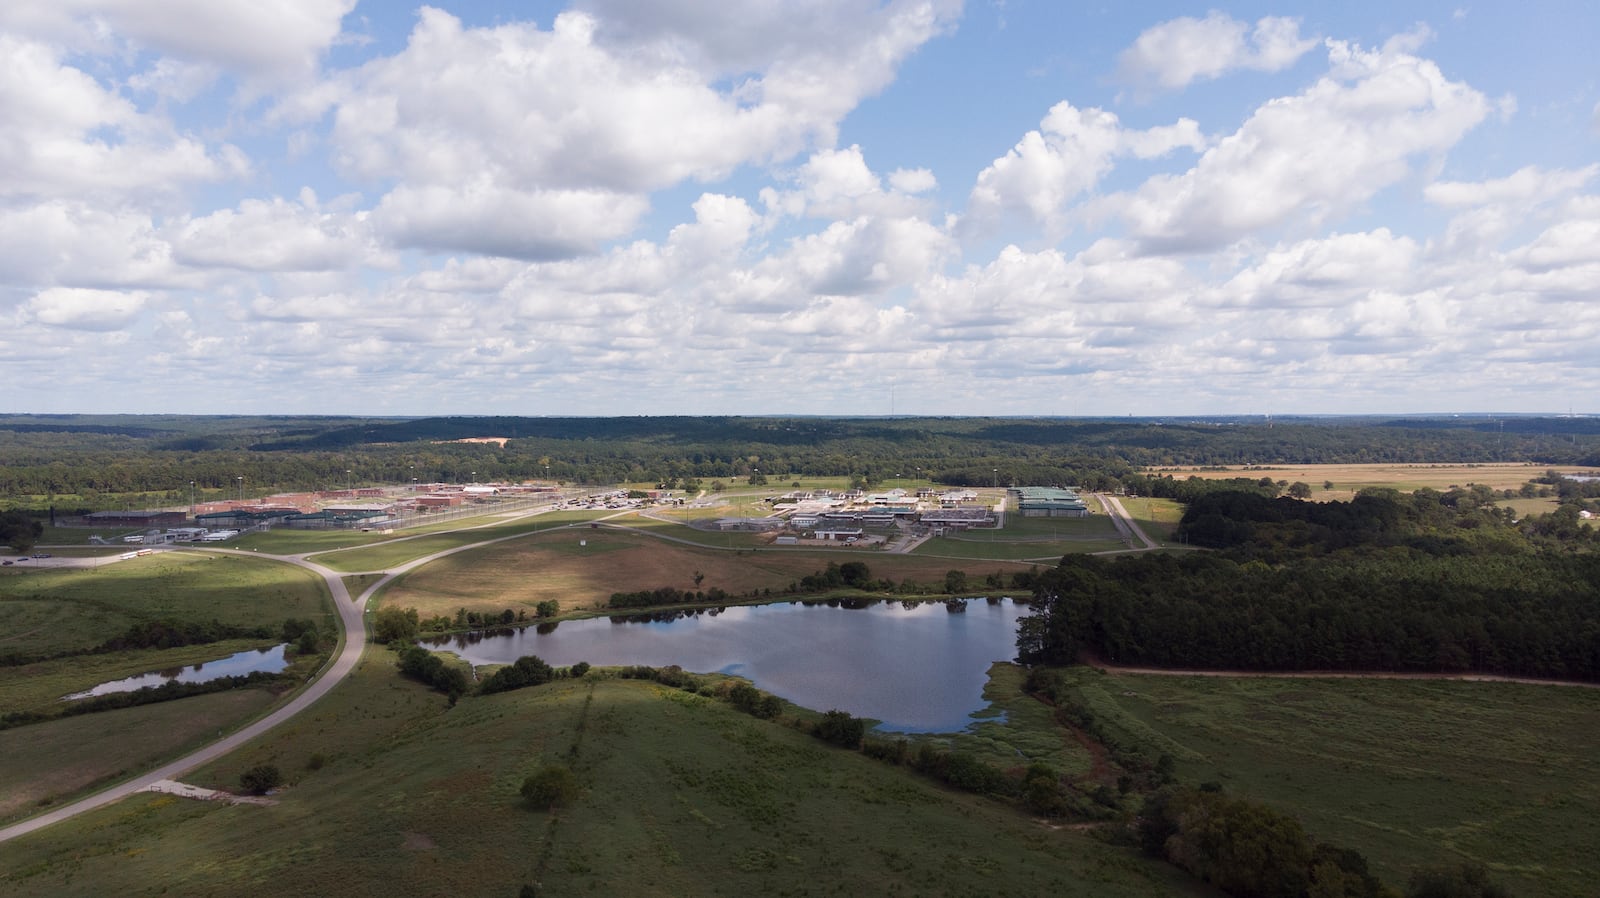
[(72, 243), (1526, 185), (1176, 53), (1069, 154), (483, 217), (1309, 156), (78, 308), (570, 114), (68, 136), (913, 180), (276, 235), (272, 41)]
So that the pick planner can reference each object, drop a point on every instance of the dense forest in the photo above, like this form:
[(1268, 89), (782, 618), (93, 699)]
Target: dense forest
[(89, 459), (1428, 581)]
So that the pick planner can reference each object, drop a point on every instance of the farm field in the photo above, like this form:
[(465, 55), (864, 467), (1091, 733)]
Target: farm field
[(581, 568), (1348, 479), (680, 795), (1408, 772)]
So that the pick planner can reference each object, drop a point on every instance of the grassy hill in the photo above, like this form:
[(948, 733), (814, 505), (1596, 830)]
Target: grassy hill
[(394, 794)]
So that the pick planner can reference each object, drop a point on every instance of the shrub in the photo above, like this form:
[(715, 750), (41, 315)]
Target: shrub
[(552, 786), (840, 728), (261, 779)]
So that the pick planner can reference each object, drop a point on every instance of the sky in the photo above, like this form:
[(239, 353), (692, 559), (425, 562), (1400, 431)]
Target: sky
[(834, 207)]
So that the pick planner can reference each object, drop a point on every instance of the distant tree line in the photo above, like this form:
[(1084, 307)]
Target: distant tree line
[(93, 463), (1425, 583)]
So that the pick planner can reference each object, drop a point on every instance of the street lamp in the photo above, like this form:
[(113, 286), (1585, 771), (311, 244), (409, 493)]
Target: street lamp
[(240, 478), (347, 480), (191, 497)]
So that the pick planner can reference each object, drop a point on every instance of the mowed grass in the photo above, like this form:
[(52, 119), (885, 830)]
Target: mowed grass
[(1408, 772), (681, 795), (50, 763), (581, 569), (396, 551), (1028, 539), (1157, 517), (1348, 479), (71, 609)]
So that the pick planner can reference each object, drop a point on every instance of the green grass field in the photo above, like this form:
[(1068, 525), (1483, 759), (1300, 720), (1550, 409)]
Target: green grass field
[(581, 568), (69, 609), (393, 795), (38, 686), (52, 763), (1408, 772)]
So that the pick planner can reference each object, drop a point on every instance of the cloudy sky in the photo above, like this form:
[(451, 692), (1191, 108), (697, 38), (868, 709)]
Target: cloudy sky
[(624, 207)]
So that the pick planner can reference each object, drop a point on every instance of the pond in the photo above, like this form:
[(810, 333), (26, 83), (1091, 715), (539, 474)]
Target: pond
[(913, 667), (235, 665)]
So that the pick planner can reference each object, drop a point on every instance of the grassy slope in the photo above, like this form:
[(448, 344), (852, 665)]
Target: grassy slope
[(66, 609), (682, 795), (1408, 772), (52, 762)]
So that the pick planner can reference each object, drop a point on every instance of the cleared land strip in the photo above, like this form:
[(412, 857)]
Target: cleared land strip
[(1335, 675)]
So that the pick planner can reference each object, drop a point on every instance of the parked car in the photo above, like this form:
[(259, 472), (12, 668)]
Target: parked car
[(41, 555)]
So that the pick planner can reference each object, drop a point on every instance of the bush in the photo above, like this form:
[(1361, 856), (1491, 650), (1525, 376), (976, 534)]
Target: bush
[(840, 728), (553, 786), (261, 779)]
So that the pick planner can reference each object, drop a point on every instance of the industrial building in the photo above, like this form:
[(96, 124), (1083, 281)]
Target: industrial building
[(1048, 502)]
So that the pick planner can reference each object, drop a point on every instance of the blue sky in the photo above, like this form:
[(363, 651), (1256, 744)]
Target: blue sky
[(624, 207)]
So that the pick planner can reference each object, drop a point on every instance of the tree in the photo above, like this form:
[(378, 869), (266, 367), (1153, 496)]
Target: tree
[(261, 779), (392, 624), (955, 581), (1299, 490), (854, 573), (840, 728), (547, 608), (19, 531), (552, 786)]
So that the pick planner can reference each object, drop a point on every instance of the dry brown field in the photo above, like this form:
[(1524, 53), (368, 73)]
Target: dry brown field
[(519, 574), (1348, 479)]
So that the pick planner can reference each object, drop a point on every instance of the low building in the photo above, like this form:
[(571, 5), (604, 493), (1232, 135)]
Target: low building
[(1048, 502), (839, 534), (150, 518)]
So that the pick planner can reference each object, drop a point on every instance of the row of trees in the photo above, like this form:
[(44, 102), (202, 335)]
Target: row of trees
[(89, 462)]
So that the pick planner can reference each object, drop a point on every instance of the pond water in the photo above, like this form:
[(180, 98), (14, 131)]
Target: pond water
[(235, 665), (915, 668)]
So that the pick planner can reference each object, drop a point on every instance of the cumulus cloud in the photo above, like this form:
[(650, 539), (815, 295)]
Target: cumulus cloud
[(580, 115), (67, 136), (1176, 53), (276, 41), (277, 235), (485, 217), (1065, 158), (77, 308), (1309, 156), (838, 184)]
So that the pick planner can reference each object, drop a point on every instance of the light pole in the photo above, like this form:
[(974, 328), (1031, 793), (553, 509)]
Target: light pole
[(191, 498), (347, 480), (240, 478)]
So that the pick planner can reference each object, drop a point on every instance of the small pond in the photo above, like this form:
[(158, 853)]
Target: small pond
[(235, 665), (914, 667)]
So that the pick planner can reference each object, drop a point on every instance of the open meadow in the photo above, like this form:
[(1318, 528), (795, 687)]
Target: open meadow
[(393, 794), (59, 610), (1346, 480), (581, 568), (1408, 772)]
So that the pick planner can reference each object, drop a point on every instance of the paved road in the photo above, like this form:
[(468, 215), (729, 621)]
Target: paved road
[(353, 623), (1114, 504), (355, 641)]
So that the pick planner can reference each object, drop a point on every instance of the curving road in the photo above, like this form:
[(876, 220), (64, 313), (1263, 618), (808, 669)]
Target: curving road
[(355, 641), (352, 621)]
